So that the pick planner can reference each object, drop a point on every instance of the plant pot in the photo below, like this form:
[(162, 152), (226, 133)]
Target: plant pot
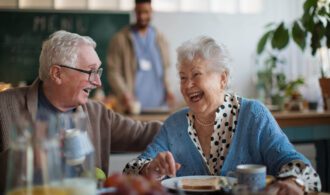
[(325, 89), (278, 101)]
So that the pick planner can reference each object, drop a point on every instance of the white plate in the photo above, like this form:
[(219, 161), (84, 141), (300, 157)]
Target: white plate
[(106, 190), (172, 183)]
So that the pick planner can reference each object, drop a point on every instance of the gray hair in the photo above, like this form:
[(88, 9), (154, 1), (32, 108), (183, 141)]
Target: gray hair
[(207, 49), (61, 48)]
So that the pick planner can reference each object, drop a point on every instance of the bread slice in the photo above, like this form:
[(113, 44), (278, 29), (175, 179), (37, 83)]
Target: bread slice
[(211, 183)]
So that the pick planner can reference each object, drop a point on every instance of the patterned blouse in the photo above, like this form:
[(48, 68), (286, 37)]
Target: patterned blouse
[(224, 128)]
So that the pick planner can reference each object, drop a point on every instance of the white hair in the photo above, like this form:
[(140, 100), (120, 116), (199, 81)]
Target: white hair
[(207, 49), (61, 48)]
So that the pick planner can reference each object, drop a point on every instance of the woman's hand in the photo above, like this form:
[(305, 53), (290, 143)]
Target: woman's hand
[(288, 186), (164, 164)]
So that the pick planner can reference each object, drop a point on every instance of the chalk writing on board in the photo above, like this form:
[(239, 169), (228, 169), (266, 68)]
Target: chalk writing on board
[(53, 22)]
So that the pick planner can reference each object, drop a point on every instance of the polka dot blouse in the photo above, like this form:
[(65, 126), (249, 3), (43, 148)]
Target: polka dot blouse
[(224, 129)]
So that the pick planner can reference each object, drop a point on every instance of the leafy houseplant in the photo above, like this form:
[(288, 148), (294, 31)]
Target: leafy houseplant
[(312, 28), (277, 89)]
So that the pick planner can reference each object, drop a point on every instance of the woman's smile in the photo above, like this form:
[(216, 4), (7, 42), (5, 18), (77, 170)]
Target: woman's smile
[(195, 96)]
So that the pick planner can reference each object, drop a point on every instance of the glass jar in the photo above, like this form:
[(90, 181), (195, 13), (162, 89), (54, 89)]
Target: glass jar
[(34, 163), (78, 154)]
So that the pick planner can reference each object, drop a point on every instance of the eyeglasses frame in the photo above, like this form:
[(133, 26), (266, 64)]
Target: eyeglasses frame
[(89, 72)]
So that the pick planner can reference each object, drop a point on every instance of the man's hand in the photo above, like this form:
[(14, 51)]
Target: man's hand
[(128, 100), (170, 100)]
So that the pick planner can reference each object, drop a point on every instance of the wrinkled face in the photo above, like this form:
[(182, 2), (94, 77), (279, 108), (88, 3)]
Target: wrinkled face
[(203, 89), (76, 85), (143, 14)]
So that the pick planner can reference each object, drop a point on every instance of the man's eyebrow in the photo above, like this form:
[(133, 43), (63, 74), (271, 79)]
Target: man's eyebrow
[(94, 66)]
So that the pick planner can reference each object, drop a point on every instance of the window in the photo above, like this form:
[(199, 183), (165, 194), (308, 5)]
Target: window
[(8, 4), (72, 4), (215, 6), (103, 4), (41, 4)]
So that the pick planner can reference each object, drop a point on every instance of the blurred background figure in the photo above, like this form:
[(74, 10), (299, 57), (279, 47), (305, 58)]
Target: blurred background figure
[(138, 60)]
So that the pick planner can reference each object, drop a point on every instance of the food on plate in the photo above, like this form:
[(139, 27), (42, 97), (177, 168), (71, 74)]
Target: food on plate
[(210, 183), (269, 179), (134, 184)]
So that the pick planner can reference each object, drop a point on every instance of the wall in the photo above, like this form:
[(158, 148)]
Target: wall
[(23, 31), (239, 32)]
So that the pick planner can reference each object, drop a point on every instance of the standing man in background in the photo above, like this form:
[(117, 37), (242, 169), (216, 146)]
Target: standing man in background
[(138, 60)]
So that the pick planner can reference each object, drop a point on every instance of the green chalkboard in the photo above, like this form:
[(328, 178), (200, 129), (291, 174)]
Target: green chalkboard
[(22, 33)]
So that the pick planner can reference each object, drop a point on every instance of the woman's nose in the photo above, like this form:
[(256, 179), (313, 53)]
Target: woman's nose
[(186, 85), (190, 83)]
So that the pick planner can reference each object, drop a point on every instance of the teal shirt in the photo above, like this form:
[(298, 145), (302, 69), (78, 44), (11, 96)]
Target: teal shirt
[(149, 81)]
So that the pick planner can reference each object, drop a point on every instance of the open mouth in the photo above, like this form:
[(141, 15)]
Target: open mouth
[(196, 96), (87, 90)]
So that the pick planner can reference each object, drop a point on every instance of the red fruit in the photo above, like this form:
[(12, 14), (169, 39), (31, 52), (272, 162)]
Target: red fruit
[(114, 180), (140, 184)]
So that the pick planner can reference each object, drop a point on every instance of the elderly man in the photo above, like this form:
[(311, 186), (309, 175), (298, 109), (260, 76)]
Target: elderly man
[(69, 70)]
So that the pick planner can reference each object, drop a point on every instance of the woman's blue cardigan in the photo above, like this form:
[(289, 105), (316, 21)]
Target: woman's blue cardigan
[(257, 140)]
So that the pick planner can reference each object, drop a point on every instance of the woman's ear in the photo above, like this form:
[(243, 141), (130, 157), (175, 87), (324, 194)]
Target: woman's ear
[(55, 74), (224, 79)]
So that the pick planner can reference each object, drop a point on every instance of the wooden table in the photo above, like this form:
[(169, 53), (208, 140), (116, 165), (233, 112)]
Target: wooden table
[(293, 119)]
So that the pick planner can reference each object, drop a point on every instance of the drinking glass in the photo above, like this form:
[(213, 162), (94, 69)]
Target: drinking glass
[(34, 162), (78, 154)]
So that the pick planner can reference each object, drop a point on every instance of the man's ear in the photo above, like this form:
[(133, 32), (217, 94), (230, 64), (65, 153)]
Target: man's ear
[(55, 74)]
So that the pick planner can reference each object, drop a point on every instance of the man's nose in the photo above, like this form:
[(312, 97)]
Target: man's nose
[(97, 82)]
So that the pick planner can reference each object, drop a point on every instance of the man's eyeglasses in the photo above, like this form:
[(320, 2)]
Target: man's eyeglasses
[(92, 73)]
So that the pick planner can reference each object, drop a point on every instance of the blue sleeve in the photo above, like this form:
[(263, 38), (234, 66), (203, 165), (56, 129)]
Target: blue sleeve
[(274, 146), (159, 144)]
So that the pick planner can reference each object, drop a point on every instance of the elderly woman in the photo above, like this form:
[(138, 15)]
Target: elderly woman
[(219, 130)]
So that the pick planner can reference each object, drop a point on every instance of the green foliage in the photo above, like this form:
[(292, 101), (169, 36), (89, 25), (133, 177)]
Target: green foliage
[(262, 42), (299, 35), (281, 37), (289, 88), (313, 24), (275, 85)]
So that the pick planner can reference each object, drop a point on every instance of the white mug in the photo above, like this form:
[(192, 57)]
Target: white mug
[(135, 107), (251, 175)]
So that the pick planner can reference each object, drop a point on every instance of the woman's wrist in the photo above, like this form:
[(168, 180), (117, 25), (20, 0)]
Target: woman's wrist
[(296, 181), (144, 170)]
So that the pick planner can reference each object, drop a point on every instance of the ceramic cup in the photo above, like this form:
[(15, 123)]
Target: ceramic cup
[(251, 175), (135, 107)]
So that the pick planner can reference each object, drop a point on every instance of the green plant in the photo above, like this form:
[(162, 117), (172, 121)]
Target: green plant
[(265, 80), (289, 88), (312, 27), (274, 84)]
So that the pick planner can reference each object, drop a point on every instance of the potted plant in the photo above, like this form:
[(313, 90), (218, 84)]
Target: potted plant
[(312, 28), (276, 89)]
